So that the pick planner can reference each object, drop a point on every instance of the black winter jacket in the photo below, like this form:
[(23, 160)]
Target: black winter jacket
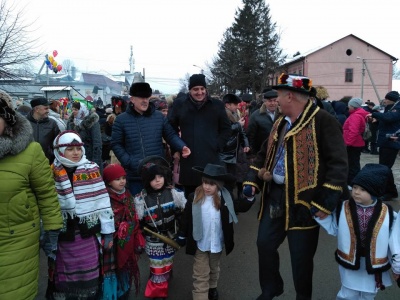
[(237, 139), (389, 122), (44, 132), (205, 130)]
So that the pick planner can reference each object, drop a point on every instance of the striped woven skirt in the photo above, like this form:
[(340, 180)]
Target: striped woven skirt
[(161, 257), (77, 269)]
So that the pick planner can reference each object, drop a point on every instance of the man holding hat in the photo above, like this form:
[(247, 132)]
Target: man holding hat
[(301, 174), (261, 121), (45, 130), (204, 126), (389, 123), (139, 132)]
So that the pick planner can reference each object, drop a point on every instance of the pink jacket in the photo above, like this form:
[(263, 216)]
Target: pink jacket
[(353, 128)]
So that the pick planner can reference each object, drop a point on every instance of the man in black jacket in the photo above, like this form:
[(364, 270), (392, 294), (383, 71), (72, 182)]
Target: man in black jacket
[(204, 127), (45, 129)]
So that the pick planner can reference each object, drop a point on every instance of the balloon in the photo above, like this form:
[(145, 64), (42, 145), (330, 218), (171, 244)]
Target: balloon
[(55, 70), (50, 67), (54, 64), (59, 67), (48, 63), (55, 53), (51, 59)]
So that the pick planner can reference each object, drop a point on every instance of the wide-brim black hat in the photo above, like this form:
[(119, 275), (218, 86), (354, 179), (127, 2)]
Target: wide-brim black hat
[(216, 172), (294, 83)]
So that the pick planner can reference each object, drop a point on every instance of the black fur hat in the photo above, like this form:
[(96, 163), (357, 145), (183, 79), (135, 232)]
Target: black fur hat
[(154, 165), (231, 98), (140, 89)]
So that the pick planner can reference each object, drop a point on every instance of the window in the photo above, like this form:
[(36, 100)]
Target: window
[(348, 75)]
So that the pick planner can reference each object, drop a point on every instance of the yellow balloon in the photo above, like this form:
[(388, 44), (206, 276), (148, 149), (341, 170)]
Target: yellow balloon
[(51, 59), (54, 63)]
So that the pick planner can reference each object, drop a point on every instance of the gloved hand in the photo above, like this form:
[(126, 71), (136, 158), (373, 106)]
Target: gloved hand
[(248, 191), (108, 241), (181, 240), (49, 244)]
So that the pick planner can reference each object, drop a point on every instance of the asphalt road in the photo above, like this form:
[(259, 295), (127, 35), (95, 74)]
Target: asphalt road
[(239, 270)]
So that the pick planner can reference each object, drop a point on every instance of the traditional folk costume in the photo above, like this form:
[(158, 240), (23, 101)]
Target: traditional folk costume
[(86, 211), (157, 210), (363, 233), (128, 241)]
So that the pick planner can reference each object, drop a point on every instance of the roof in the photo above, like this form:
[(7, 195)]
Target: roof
[(55, 88), (307, 53), (100, 80)]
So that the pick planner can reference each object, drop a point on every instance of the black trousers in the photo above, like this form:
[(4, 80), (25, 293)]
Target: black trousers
[(353, 157), (387, 157), (302, 247)]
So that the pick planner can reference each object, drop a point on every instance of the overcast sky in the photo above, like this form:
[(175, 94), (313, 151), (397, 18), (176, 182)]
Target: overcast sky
[(170, 36)]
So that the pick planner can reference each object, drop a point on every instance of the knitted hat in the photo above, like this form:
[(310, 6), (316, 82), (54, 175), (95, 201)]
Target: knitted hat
[(140, 89), (65, 139), (39, 101), (6, 112), (270, 94), (197, 80), (154, 165), (231, 98), (373, 178), (355, 102), (392, 96), (294, 82), (112, 172)]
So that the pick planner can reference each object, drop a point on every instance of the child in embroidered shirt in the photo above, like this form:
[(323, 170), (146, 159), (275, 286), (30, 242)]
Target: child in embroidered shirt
[(207, 225), (128, 238), (87, 213), (363, 225), (158, 206)]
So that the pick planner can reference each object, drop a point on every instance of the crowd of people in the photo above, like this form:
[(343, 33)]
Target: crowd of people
[(148, 176)]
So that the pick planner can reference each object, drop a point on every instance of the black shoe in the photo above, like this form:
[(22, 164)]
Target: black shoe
[(374, 153), (213, 294), (277, 294), (365, 151)]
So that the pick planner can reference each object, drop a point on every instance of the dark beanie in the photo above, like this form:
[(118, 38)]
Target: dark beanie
[(373, 178), (140, 89), (197, 80), (392, 96)]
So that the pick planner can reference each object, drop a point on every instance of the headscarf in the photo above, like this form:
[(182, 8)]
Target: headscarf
[(61, 142), (82, 113), (6, 112)]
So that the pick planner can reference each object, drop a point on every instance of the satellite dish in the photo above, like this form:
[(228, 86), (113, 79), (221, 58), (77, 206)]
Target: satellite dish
[(108, 90)]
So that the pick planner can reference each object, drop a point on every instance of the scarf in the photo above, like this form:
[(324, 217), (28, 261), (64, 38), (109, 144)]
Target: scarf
[(86, 198), (82, 113)]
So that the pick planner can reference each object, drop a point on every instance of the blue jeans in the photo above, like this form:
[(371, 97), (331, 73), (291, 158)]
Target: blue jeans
[(302, 247)]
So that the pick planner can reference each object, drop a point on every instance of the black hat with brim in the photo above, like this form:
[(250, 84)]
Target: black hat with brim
[(216, 172), (294, 83)]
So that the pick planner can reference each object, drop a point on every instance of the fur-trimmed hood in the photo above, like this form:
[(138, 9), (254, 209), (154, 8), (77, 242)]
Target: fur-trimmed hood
[(22, 136), (86, 123)]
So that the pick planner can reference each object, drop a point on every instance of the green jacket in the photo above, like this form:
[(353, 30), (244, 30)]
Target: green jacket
[(27, 193)]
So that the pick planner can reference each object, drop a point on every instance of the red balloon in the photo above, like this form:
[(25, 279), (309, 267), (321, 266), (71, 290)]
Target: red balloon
[(55, 53), (59, 67)]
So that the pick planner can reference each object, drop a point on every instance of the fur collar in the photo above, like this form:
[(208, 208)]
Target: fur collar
[(234, 118), (20, 139), (87, 121)]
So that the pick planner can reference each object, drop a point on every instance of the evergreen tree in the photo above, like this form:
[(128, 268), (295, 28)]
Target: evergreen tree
[(249, 50)]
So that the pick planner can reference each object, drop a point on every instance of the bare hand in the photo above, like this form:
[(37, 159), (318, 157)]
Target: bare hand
[(177, 155), (241, 121), (185, 152), (246, 149), (321, 215)]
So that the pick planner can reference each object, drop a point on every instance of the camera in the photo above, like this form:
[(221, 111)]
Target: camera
[(390, 135)]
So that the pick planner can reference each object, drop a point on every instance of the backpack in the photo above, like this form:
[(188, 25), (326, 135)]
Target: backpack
[(367, 134)]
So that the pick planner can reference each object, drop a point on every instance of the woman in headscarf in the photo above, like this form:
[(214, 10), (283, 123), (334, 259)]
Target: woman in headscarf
[(27, 195), (87, 125)]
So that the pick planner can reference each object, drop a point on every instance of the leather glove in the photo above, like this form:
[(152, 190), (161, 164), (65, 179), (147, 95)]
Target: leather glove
[(181, 240), (50, 241)]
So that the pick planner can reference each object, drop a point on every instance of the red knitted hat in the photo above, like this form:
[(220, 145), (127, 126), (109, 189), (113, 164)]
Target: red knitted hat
[(112, 172)]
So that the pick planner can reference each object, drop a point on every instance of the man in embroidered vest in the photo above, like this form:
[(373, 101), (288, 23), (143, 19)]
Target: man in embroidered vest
[(301, 171)]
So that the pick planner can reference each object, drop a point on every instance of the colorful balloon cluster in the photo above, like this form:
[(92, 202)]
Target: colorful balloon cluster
[(51, 62)]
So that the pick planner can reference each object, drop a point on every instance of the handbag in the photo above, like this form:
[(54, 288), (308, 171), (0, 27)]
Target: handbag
[(367, 134)]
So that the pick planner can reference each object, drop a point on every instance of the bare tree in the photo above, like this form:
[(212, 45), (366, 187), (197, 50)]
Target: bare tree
[(67, 65), (16, 47)]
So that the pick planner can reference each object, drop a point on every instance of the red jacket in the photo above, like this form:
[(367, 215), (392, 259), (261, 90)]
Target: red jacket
[(353, 128)]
